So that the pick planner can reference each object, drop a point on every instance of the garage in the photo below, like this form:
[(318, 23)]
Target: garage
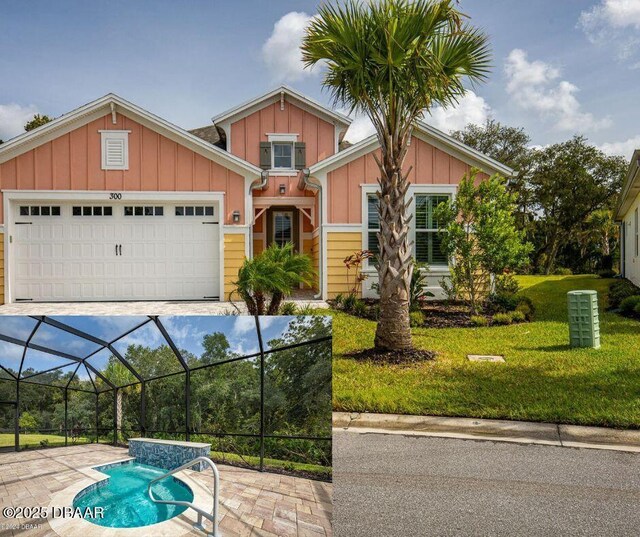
[(105, 249)]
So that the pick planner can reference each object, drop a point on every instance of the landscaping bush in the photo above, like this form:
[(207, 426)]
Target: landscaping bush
[(563, 271), (619, 290), (416, 319), (636, 310), (360, 309), (503, 318), (479, 320), (525, 305), (417, 294), (607, 273), (629, 304), (518, 316), (288, 308)]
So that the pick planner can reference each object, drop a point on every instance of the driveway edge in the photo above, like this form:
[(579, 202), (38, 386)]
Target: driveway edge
[(495, 430)]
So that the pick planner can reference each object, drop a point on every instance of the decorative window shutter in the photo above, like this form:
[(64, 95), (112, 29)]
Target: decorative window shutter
[(300, 156), (265, 155)]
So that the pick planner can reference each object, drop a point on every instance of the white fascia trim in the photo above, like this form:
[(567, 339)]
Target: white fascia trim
[(342, 228), (102, 106), (264, 201), (284, 172), (282, 137), (101, 195), (630, 188), (250, 106)]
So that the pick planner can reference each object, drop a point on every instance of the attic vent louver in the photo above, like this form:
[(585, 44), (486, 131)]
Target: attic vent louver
[(115, 150)]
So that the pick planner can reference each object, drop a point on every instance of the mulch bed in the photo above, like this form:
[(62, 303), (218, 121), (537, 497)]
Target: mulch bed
[(442, 315), (410, 356)]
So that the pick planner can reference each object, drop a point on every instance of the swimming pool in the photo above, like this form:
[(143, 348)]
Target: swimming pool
[(124, 496)]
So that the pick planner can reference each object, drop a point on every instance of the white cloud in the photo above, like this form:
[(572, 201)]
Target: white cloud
[(281, 52), (470, 109), (614, 23), (244, 324), (624, 148), (534, 86), (360, 128), (13, 118)]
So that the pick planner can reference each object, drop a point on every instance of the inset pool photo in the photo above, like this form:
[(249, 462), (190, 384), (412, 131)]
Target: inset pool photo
[(167, 425)]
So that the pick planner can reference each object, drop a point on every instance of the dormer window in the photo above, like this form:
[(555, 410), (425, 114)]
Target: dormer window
[(282, 153), (115, 150)]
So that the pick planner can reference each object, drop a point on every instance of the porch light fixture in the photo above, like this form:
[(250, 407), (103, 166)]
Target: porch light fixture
[(236, 216), (283, 189)]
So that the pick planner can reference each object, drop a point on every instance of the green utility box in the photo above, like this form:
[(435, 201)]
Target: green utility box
[(584, 324)]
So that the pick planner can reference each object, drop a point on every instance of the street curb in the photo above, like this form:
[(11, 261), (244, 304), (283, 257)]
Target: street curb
[(496, 430)]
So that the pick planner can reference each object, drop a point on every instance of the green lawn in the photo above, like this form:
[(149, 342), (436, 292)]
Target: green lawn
[(543, 379), (33, 440)]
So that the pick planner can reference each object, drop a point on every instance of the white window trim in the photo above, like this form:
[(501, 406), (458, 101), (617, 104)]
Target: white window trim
[(274, 169), (443, 190), (106, 135), (280, 137), (636, 234)]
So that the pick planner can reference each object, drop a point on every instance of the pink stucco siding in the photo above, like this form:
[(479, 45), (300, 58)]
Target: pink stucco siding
[(428, 164), (156, 163), (317, 134)]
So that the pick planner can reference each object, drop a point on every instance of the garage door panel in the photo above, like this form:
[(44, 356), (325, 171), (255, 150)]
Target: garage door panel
[(75, 258)]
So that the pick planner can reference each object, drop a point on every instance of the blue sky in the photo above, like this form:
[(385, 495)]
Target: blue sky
[(559, 67), (186, 331)]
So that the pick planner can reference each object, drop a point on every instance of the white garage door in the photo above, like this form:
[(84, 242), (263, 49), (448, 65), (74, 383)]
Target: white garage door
[(105, 251)]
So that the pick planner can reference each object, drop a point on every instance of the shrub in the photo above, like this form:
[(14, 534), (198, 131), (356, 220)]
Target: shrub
[(502, 318), (359, 309), (416, 319), (338, 300), (636, 309), (479, 320), (506, 284), (518, 316), (288, 308), (563, 271), (418, 282), (619, 290), (525, 306), (607, 273), (349, 302), (628, 305), (307, 310), (44, 443)]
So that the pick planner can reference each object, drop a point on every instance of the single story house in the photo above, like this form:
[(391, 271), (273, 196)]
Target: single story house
[(111, 202), (627, 216)]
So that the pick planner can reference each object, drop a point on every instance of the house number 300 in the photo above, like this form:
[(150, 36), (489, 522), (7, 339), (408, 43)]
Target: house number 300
[(115, 196)]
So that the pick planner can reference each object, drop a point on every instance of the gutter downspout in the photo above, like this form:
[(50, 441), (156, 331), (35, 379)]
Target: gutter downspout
[(258, 184), (302, 184)]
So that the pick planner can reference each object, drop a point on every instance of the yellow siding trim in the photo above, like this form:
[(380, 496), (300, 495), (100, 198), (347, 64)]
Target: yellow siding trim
[(233, 259), (339, 246)]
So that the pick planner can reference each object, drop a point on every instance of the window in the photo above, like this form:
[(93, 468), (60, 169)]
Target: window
[(637, 232), (39, 210), (94, 210), (373, 225), (282, 155), (143, 210), (115, 150), (194, 211), (428, 241), (282, 227)]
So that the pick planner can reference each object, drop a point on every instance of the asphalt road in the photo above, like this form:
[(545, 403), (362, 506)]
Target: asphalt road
[(392, 485)]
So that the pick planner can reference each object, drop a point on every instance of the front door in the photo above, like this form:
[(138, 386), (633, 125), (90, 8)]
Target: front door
[(282, 226)]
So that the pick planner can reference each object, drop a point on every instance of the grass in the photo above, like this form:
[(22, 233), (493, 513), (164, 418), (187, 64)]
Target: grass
[(33, 440), (232, 458), (543, 379)]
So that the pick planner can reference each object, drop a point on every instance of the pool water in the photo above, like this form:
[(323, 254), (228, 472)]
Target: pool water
[(125, 500)]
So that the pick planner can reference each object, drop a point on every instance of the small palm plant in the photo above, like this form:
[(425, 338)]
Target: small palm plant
[(264, 281)]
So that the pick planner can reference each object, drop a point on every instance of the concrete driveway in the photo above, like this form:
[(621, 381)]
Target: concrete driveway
[(136, 308), (390, 485)]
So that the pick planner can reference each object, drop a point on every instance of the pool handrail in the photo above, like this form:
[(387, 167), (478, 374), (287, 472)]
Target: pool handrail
[(213, 517)]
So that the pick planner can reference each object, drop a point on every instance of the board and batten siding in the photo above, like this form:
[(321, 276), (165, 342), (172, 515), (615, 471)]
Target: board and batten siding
[(632, 261), (317, 134), (234, 256), (429, 166), (156, 163), (339, 246)]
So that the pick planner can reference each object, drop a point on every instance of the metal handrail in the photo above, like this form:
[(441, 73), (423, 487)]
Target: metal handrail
[(201, 512)]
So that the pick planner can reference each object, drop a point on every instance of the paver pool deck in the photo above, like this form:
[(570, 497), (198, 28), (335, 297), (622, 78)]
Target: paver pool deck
[(251, 503)]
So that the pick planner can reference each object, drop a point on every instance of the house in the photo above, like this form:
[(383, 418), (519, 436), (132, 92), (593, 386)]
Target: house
[(110, 202), (627, 216)]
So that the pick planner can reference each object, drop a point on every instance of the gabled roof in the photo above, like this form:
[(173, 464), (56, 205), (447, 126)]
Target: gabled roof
[(274, 95), (430, 135), (109, 103), (631, 186)]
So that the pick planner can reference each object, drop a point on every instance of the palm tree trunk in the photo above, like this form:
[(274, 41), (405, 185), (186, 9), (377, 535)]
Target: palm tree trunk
[(118, 413), (395, 267)]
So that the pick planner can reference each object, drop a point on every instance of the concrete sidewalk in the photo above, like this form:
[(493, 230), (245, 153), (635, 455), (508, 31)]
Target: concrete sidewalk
[(524, 432)]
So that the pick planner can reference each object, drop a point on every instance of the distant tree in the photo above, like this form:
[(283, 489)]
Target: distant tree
[(570, 181), (480, 236), (28, 421), (509, 146), (37, 121)]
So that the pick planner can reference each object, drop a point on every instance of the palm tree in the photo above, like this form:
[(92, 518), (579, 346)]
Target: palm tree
[(393, 60), (119, 375), (272, 274)]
